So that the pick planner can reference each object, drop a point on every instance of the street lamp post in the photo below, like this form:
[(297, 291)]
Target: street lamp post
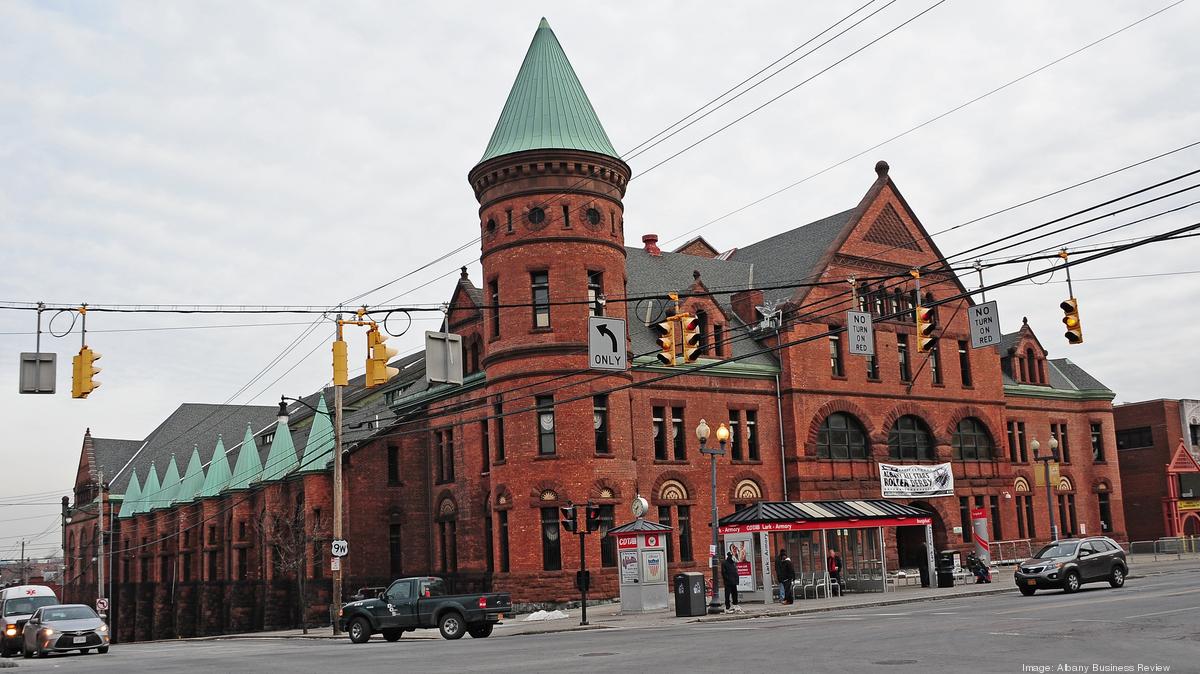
[(1046, 458), (702, 433)]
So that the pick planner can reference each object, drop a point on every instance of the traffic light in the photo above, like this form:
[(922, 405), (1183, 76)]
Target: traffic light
[(593, 517), (1074, 333), (83, 373), (666, 341), (378, 355), (569, 522), (925, 326), (691, 338), (341, 376)]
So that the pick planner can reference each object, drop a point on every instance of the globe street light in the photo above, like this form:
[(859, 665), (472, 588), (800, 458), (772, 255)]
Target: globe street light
[(702, 433), (1046, 458)]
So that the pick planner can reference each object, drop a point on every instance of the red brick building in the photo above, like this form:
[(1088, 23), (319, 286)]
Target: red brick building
[(466, 480), (1149, 437)]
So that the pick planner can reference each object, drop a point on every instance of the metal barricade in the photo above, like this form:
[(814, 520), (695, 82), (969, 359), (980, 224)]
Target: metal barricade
[(1011, 552)]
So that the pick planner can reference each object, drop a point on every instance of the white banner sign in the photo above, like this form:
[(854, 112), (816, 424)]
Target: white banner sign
[(859, 333), (916, 481)]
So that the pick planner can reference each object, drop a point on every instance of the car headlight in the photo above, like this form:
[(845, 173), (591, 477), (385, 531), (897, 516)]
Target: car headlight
[(10, 630), (102, 629), (49, 631)]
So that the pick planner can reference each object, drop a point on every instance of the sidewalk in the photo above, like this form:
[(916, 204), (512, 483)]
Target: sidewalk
[(607, 615)]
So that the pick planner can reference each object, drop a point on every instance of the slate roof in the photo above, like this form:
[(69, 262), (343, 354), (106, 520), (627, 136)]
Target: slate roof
[(110, 455), (1008, 342), (547, 106), (1071, 375), (792, 256)]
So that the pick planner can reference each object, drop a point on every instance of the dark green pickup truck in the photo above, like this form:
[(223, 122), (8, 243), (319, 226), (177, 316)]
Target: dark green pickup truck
[(414, 603)]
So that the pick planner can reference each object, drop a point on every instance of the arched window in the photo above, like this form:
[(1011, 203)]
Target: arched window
[(909, 440), (448, 535), (972, 442), (841, 437), (1031, 365)]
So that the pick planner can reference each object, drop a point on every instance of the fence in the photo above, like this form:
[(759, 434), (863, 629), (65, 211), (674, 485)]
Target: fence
[(1177, 547), (1011, 552)]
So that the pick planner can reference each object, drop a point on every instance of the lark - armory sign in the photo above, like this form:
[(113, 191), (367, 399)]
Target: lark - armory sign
[(916, 481)]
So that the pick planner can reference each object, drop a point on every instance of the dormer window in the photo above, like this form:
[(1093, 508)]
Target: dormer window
[(267, 439)]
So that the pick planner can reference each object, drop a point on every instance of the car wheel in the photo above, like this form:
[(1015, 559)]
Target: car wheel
[(1071, 582), (1117, 579), (451, 625), (4, 652), (102, 650), (393, 635), (360, 630), (480, 631), (25, 652), (1026, 590)]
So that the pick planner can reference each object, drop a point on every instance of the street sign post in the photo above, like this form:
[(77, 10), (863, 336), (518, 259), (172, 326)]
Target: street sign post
[(339, 548), (335, 564), (102, 604), (606, 343), (860, 333), (984, 320)]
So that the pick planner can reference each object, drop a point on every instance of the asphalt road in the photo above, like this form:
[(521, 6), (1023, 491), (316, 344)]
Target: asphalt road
[(1151, 622)]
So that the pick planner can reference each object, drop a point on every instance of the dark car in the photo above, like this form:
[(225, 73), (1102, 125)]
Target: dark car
[(1069, 563), (64, 627), (409, 604)]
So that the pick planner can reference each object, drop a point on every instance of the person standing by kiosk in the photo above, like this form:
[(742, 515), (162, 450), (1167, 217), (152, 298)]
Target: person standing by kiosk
[(833, 564), (787, 575), (729, 576)]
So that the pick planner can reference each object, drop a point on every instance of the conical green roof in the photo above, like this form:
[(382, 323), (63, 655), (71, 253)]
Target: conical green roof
[(149, 491), (547, 107), (193, 479), (248, 466), (281, 460), (170, 487), (218, 472), (133, 494), (318, 449)]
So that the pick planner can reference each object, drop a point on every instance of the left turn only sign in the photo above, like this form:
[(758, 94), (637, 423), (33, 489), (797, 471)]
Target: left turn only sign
[(606, 343)]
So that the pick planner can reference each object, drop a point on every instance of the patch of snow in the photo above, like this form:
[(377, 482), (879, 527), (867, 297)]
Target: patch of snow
[(545, 615)]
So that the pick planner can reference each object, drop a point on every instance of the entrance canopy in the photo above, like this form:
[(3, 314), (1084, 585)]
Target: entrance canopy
[(768, 516)]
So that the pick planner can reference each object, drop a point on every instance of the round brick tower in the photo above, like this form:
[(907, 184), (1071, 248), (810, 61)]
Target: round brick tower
[(549, 188)]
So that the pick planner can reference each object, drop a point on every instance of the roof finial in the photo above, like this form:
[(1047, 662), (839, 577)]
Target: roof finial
[(881, 168), (696, 274), (1025, 321), (464, 272)]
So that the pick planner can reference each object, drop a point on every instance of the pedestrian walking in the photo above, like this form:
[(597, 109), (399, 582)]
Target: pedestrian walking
[(779, 571), (787, 576), (729, 576), (833, 564)]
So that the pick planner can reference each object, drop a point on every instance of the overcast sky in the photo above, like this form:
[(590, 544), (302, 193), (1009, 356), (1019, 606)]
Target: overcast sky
[(302, 153)]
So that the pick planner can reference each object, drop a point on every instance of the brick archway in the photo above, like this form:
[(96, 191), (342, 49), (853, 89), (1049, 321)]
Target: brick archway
[(604, 490), (739, 488), (502, 498), (1102, 485), (971, 411), (547, 493), (672, 476), (833, 407)]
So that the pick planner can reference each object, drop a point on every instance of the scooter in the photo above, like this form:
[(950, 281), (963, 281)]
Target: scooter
[(982, 573)]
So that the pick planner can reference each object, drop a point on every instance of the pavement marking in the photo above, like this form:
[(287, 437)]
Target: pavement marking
[(1147, 615), (943, 613)]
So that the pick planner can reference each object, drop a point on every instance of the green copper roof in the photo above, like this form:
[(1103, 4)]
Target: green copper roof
[(193, 479), (170, 487), (318, 449), (248, 467), (149, 490), (547, 107), (133, 493), (281, 460), (218, 472)]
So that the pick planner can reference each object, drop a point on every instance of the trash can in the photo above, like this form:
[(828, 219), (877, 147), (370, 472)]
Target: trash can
[(945, 568), (690, 599)]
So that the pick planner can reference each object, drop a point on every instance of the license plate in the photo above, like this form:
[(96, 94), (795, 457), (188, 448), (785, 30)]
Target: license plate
[(80, 640), (1031, 581)]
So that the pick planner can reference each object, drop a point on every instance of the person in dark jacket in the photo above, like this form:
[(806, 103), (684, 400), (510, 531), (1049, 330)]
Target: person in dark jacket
[(779, 571), (729, 577), (787, 575), (833, 563)]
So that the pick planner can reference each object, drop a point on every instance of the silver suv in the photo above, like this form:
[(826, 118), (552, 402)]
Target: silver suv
[(1069, 563)]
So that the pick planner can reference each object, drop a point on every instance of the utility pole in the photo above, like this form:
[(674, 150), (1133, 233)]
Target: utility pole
[(23, 562), (100, 544), (337, 489)]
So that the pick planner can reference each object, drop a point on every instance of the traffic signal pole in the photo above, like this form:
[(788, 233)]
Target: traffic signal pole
[(337, 488), (583, 578)]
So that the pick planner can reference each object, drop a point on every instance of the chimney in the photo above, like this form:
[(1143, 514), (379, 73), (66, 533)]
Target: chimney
[(651, 241), (744, 304)]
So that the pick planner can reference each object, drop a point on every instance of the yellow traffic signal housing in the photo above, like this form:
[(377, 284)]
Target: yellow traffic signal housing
[(691, 337), (83, 373), (925, 328), (341, 366), (1074, 332), (378, 355), (666, 341)]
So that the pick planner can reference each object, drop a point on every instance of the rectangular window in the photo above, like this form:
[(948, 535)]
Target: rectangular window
[(678, 436), (485, 445), (935, 362), (212, 566), (393, 465), (1020, 517), (540, 283), (752, 434), (600, 423), (241, 564), (608, 544), (994, 503), (187, 567), (1132, 438), (735, 435), (1106, 523), (664, 518), (498, 412), (503, 514), (1194, 430), (902, 347), (685, 533), (551, 550), (1022, 447), (964, 363), (1097, 443), (1068, 525), (318, 560), (494, 291), (964, 512), (545, 422), (395, 551), (836, 367), (873, 368), (595, 292), (566, 216), (489, 545), (719, 342), (1012, 441), (448, 542), (1059, 432), (660, 433), (444, 445), (702, 332), (1030, 522)]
